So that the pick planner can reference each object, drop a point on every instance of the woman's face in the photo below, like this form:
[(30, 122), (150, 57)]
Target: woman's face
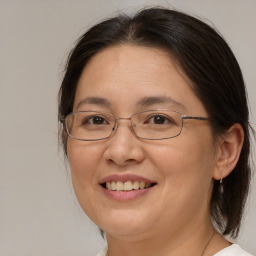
[(123, 80)]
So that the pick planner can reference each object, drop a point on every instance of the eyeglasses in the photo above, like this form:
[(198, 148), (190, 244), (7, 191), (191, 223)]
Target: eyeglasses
[(156, 124)]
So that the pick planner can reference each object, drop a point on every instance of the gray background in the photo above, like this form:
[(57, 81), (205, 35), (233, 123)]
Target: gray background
[(39, 214)]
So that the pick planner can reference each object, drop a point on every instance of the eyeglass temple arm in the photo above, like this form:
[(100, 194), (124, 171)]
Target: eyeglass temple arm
[(195, 118)]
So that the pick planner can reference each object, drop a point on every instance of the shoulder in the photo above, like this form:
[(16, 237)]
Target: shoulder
[(233, 250)]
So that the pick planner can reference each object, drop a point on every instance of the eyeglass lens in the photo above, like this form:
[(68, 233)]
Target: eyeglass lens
[(156, 124)]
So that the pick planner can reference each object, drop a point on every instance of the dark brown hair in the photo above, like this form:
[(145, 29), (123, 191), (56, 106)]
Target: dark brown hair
[(216, 78)]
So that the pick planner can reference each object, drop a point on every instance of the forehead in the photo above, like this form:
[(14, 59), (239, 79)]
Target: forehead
[(125, 74), (131, 60)]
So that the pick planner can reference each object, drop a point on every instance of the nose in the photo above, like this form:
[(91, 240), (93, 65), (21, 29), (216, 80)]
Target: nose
[(124, 146)]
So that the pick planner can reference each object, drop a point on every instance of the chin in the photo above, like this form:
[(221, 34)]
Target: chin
[(124, 225)]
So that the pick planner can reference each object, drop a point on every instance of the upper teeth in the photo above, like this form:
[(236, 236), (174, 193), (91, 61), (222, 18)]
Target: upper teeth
[(126, 186)]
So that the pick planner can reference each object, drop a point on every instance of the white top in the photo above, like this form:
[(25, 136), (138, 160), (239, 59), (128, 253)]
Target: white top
[(232, 250)]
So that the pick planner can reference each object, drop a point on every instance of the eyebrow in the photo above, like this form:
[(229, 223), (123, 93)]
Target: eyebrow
[(149, 101), (94, 100), (144, 102)]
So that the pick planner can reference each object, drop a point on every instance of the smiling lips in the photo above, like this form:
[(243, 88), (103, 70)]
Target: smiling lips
[(126, 183)]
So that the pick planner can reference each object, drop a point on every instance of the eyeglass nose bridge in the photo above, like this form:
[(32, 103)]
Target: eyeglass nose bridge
[(125, 118), (132, 125)]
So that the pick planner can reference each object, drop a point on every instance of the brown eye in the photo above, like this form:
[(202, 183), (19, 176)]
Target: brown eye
[(160, 119), (95, 120)]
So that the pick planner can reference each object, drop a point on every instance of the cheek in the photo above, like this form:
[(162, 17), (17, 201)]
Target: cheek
[(83, 158), (186, 166), (185, 170)]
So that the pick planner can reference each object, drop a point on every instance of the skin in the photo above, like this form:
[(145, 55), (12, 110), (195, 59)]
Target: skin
[(173, 218)]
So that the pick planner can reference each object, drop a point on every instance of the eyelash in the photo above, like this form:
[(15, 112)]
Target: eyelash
[(87, 119), (166, 118)]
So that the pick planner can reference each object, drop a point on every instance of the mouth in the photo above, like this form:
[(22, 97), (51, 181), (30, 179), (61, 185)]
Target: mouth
[(127, 186)]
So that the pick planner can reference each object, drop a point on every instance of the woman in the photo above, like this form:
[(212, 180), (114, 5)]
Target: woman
[(156, 131)]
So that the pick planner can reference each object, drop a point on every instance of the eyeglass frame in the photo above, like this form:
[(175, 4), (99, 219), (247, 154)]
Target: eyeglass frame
[(183, 117)]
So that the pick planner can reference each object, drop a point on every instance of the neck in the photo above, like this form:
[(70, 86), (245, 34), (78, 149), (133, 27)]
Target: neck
[(195, 241)]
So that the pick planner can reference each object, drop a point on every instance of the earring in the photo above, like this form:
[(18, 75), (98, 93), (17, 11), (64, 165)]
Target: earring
[(221, 185)]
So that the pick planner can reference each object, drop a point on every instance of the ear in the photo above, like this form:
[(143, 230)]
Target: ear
[(228, 151)]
